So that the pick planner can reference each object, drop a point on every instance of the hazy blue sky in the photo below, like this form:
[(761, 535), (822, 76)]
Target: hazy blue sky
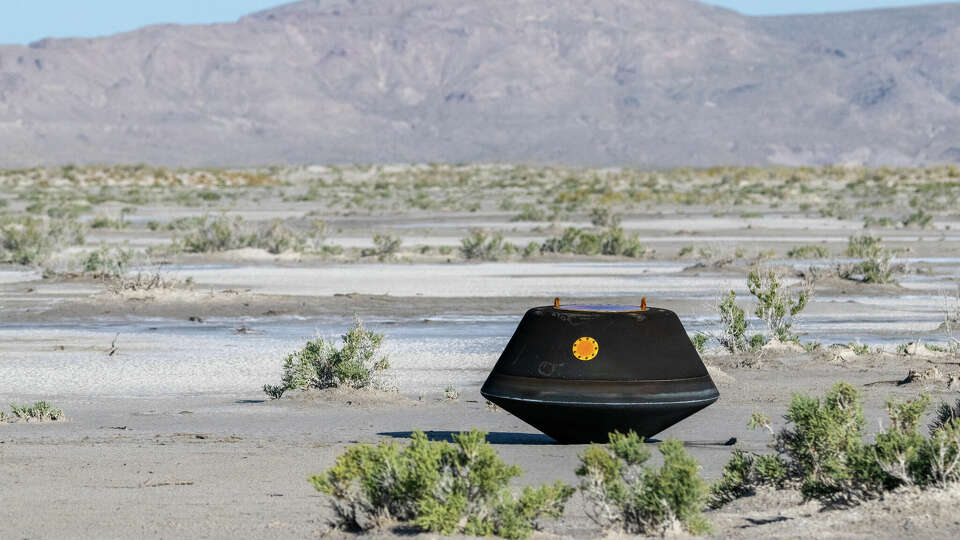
[(23, 21)]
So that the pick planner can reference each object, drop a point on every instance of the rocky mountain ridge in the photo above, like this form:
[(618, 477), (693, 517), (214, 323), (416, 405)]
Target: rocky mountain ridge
[(606, 82)]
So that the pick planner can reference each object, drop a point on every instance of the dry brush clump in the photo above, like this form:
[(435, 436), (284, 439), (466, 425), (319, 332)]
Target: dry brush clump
[(321, 364), (145, 282), (435, 486)]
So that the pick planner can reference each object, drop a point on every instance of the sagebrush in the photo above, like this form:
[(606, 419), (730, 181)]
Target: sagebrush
[(777, 308), (321, 364), (40, 411), (622, 492), (822, 450), (437, 487)]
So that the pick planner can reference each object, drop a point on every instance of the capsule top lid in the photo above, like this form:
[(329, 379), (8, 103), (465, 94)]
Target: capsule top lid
[(600, 308)]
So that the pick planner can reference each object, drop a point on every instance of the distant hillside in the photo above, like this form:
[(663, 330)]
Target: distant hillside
[(632, 82)]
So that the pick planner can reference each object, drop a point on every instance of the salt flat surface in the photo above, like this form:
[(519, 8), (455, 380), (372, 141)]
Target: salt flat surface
[(18, 276), (168, 357), (164, 357), (453, 280)]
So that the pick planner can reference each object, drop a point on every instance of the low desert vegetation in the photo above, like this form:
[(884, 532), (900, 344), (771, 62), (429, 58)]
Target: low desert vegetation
[(602, 216), (92, 194), (774, 306), (484, 246), (143, 282), (106, 222), (733, 324), (384, 248), (822, 451), (436, 486), (358, 364), (31, 241), (623, 492), (612, 241), (699, 341), (107, 262), (40, 411), (223, 233), (808, 252), (218, 234), (744, 474), (875, 265)]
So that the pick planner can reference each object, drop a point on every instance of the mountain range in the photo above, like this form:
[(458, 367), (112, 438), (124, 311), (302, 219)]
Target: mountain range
[(582, 82)]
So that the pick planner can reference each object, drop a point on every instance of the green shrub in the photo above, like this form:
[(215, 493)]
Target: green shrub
[(601, 216), (744, 473), (385, 247), (30, 241), (919, 218), (859, 349), (616, 242), (733, 324), (437, 487), (71, 211), (40, 411), (572, 241), (621, 491), (221, 234), (881, 222), (104, 222), (277, 238), (700, 342), (613, 241), (483, 246), (532, 249), (775, 308), (320, 364), (187, 223), (824, 442), (107, 262), (822, 450), (808, 252), (530, 212), (205, 235), (875, 266)]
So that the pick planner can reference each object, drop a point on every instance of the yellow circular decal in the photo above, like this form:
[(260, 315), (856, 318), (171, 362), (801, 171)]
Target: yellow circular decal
[(585, 348)]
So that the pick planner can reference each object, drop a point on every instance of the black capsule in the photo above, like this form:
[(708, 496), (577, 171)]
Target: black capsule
[(578, 373)]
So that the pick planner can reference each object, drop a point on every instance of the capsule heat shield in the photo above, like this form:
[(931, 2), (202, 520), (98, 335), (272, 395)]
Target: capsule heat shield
[(578, 373)]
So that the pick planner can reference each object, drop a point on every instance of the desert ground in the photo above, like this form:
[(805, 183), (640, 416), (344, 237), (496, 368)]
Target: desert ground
[(156, 349)]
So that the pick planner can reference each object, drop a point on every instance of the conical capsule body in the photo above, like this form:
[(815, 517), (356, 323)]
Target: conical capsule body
[(578, 373)]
